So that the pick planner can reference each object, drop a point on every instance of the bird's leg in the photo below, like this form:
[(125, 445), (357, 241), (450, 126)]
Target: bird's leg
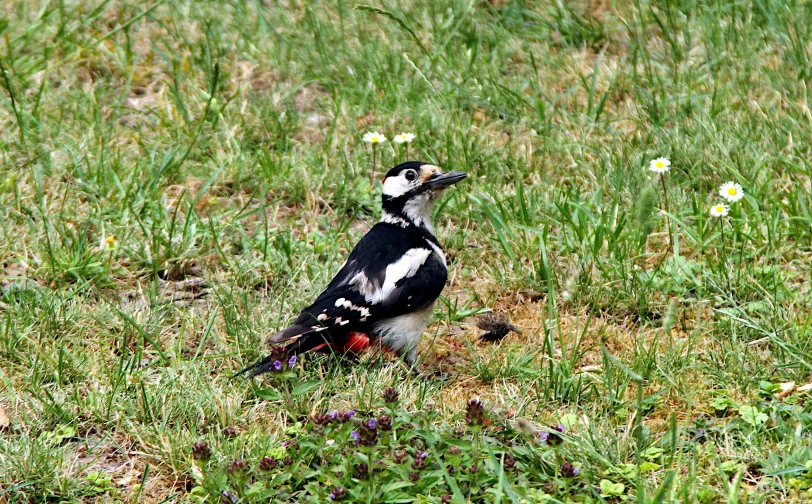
[(410, 355)]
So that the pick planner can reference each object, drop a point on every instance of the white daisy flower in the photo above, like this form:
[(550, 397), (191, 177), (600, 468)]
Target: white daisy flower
[(731, 191), (374, 137), (719, 210), (404, 138), (659, 165)]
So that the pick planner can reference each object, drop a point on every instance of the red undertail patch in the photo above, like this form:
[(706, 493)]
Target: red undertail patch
[(355, 342)]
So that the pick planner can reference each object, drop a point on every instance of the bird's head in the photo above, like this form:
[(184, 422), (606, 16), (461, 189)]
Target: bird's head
[(410, 190)]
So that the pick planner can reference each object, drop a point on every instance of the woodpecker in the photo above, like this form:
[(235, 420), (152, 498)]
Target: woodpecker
[(385, 291)]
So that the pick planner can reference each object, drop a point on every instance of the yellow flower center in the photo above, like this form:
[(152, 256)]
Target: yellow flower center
[(719, 209), (111, 240), (660, 164), (732, 191)]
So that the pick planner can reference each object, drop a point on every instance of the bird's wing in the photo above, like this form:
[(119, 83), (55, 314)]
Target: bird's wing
[(390, 272)]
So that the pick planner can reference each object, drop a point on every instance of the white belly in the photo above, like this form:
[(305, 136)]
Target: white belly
[(402, 333)]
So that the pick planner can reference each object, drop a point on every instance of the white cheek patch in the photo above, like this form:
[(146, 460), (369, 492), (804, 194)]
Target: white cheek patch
[(396, 186)]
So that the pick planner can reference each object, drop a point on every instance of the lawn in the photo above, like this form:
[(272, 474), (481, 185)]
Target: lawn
[(179, 179)]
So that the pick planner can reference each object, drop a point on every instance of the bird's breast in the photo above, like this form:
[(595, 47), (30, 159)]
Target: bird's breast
[(404, 331)]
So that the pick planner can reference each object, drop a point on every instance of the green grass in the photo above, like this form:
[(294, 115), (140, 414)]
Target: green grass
[(180, 178)]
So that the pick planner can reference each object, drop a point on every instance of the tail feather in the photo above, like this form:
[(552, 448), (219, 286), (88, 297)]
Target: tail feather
[(294, 331), (259, 367), (299, 345)]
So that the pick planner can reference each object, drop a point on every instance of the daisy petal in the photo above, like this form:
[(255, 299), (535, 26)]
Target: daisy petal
[(731, 191), (659, 165)]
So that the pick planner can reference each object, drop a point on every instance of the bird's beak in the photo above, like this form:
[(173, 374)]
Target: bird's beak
[(443, 180)]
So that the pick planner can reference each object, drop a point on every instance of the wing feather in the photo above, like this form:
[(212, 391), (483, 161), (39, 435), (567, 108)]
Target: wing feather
[(378, 281)]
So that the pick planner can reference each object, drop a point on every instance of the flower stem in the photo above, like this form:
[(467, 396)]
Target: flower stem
[(370, 451), (724, 255), (374, 160), (666, 207)]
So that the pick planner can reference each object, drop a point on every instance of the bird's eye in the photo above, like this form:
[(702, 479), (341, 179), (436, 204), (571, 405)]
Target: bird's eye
[(410, 175)]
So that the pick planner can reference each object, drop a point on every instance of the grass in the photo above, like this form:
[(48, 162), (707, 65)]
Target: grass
[(180, 178)]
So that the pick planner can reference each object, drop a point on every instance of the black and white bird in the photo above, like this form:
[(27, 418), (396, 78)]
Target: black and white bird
[(385, 291)]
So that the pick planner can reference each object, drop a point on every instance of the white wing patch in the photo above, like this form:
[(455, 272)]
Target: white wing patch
[(437, 250), (405, 267)]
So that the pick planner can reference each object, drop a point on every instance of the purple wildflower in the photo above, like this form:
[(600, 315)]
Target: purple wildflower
[(201, 451), (337, 494), (361, 471), (368, 433), (553, 437), (268, 463), (238, 467), (277, 365), (291, 361), (568, 470), (474, 413), (509, 463), (354, 435), (419, 462), (227, 497), (390, 396)]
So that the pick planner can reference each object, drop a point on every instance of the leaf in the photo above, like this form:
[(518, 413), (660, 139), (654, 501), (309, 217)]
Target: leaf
[(569, 421), (269, 394), (59, 434), (305, 387), (721, 403), (732, 466), (752, 415), (610, 489), (395, 485), (653, 453), (647, 467)]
